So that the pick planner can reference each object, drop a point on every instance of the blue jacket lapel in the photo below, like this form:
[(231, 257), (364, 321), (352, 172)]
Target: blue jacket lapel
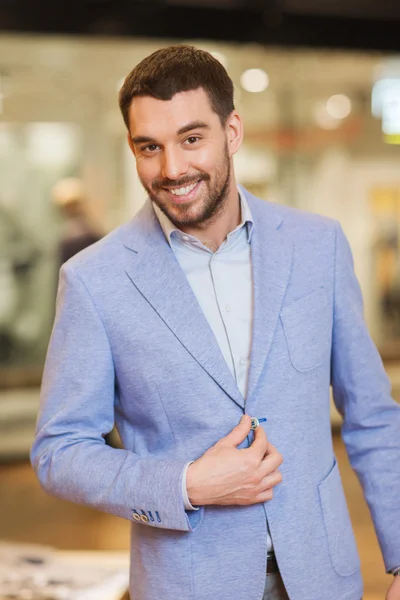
[(271, 264), (158, 276)]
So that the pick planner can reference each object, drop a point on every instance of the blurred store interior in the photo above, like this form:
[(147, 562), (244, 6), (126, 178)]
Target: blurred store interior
[(322, 133)]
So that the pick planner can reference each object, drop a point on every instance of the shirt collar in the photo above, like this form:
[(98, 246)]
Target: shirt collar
[(246, 219)]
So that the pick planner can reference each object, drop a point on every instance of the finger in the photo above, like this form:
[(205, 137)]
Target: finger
[(260, 443), (271, 449), (270, 463), (264, 496), (238, 433), (269, 482)]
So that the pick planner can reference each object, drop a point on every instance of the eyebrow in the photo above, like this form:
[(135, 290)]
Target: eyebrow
[(193, 125), (143, 139)]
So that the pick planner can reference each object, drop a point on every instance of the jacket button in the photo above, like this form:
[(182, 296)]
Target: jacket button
[(254, 423), (144, 518)]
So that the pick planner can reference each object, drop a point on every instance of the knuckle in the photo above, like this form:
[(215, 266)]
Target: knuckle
[(255, 479), (278, 458)]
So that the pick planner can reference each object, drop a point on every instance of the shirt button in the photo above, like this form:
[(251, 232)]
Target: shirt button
[(228, 308), (185, 238)]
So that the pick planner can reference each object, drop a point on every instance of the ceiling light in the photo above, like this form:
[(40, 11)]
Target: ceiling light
[(254, 80), (338, 106), (386, 106)]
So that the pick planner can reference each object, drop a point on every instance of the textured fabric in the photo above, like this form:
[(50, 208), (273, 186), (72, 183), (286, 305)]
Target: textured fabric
[(131, 342)]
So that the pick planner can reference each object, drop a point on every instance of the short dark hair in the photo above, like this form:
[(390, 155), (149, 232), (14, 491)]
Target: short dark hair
[(176, 69)]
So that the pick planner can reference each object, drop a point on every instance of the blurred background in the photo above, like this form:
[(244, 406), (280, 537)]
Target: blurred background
[(318, 86)]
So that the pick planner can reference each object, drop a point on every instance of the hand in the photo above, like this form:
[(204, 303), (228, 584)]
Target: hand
[(393, 592), (225, 475)]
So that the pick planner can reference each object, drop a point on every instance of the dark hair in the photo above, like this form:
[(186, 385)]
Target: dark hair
[(176, 69)]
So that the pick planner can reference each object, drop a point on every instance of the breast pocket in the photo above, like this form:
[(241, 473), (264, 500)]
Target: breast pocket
[(307, 324)]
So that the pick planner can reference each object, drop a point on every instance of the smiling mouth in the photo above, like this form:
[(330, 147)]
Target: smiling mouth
[(182, 191)]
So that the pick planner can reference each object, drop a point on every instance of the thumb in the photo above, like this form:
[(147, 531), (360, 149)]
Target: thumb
[(240, 432)]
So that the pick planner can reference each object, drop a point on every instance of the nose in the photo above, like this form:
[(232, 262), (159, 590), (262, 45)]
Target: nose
[(174, 163)]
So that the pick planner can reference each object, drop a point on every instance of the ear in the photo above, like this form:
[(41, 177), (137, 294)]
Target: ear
[(131, 144), (234, 130)]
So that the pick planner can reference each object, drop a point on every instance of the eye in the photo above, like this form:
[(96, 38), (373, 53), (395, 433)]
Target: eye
[(192, 139), (151, 148)]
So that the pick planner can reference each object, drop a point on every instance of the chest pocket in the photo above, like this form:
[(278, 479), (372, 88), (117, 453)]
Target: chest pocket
[(307, 324)]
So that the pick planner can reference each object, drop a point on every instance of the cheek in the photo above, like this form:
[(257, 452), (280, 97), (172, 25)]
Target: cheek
[(206, 159), (147, 170)]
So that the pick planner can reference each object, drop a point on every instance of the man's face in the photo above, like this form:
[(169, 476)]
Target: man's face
[(182, 155)]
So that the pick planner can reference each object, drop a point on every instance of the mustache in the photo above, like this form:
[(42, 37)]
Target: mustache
[(183, 182)]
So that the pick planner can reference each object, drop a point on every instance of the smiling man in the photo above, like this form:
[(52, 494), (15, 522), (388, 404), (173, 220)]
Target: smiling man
[(183, 157), (187, 171), (210, 329)]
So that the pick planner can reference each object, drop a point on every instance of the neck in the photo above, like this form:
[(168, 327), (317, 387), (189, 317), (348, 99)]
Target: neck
[(213, 233)]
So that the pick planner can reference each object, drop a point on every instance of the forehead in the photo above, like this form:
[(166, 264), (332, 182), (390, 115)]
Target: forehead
[(149, 116)]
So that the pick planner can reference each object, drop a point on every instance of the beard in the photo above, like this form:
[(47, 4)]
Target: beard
[(203, 210)]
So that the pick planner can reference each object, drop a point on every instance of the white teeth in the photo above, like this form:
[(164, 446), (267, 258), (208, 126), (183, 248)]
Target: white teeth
[(183, 190)]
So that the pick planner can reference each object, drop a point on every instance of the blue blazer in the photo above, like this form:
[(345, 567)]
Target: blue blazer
[(131, 344)]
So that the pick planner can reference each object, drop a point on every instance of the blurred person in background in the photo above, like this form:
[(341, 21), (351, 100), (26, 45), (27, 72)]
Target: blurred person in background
[(78, 231), (208, 313)]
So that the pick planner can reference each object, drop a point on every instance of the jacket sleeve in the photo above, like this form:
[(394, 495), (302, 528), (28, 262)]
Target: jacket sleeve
[(69, 453), (371, 418)]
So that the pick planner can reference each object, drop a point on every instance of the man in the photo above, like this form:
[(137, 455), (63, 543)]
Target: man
[(209, 308)]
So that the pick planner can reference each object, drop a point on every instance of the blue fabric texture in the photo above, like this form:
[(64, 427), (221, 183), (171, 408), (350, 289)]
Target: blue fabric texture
[(131, 343)]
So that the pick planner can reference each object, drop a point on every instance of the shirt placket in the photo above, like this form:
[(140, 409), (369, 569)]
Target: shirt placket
[(225, 307)]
